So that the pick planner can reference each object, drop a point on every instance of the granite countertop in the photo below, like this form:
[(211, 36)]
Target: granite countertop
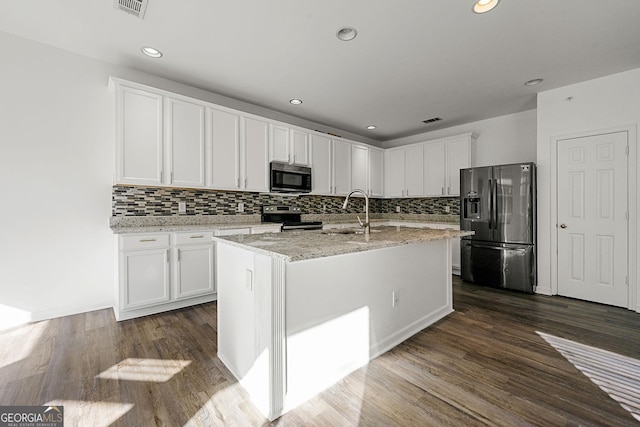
[(160, 224), (303, 245)]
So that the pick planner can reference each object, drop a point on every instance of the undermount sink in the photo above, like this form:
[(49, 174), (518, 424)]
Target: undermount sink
[(336, 231)]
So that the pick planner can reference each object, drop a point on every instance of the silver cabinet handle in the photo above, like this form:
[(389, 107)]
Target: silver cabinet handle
[(448, 190), (245, 183), (563, 225), (162, 177), (196, 237), (147, 240), (443, 191)]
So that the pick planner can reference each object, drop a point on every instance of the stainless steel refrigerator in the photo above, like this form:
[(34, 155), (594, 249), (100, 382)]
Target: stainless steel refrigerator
[(499, 204)]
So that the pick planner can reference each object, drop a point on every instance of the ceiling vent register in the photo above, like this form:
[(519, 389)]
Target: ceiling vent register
[(133, 7), (435, 119)]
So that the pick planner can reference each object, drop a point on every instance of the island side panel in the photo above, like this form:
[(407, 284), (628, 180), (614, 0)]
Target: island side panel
[(248, 344), (340, 313)]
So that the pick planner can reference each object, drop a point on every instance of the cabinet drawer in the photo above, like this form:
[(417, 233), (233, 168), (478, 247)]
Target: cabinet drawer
[(143, 241), (193, 237)]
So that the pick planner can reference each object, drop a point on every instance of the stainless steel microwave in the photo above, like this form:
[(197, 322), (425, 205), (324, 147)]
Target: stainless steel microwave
[(286, 178)]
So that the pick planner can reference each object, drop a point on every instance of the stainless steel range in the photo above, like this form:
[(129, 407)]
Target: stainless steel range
[(289, 216)]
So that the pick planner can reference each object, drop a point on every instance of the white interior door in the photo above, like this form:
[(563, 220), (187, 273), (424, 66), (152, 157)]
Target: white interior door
[(592, 218)]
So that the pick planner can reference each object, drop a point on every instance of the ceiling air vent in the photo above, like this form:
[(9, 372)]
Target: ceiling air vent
[(133, 7), (435, 119)]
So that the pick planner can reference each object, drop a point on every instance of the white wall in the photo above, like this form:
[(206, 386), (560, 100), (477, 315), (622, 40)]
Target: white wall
[(501, 140), (595, 105)]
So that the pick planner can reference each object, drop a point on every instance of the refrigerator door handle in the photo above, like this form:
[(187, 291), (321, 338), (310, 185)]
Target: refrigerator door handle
[(490, 205), (494, 209)]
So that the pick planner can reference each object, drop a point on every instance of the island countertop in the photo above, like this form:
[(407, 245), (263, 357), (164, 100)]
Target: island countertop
[(304, 245)]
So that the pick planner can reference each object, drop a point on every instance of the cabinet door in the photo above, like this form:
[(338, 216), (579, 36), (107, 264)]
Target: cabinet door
[(394, 173), (224, 149), (414, 171), (376, 173), (144, 278), (185, 143), (359, 169), (279, 144), (341, 167), (434, 161), (194, 274), (255, 168), (321, 165), (139, 156), (300, 145), (457, 158)]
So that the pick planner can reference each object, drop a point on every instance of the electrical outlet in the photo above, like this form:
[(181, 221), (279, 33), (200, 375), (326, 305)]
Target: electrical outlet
[(397, 209), (395, 298), (447, 208), (240, 207), (182, 207)]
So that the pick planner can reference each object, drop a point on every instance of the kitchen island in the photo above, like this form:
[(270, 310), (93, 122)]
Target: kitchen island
[(298, 311)]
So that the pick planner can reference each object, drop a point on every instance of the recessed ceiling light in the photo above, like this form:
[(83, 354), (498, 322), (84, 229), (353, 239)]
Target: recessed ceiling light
[(295, 101), (346, 34), (484, 6), (151, 52), (533, 82), (371, 127)]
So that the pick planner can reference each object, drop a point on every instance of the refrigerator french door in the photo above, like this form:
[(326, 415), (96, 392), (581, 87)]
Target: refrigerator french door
[(498, 203)]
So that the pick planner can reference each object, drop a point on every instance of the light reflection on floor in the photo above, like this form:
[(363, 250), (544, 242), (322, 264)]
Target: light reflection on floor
[(616, 375), (152, 370)]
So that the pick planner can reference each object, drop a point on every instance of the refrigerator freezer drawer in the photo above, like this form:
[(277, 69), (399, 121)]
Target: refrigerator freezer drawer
[(499, 265)]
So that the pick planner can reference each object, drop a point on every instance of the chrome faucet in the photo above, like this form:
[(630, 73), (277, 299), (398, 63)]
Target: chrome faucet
[(366, 225)]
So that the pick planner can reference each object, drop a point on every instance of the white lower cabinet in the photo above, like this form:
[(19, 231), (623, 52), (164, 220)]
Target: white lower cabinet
[(145, 278), (194, 265), (163, 271)]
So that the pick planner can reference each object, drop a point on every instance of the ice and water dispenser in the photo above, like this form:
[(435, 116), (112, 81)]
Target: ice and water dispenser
[(471, 206)]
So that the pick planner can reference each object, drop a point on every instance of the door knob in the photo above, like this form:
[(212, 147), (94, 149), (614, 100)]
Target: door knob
[(563, 225)]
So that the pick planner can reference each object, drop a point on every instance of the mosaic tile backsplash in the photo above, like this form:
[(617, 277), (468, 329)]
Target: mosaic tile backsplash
[(158, 201)]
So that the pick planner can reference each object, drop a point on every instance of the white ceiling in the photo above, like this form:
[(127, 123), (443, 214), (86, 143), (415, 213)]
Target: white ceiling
[(412, 59)]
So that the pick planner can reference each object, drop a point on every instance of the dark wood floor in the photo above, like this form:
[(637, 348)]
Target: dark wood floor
[(486, 364)]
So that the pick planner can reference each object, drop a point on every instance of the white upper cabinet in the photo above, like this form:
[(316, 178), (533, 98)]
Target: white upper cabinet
[(224, 149), (288, 145), (434, 158), (359, 168), (300, 147), (255, 155), (166, 139), (341, 167), (321, 165), (414, 171), (185, 143), (458, 157), (376, 172), (404, 172), (444, 159), (279, 144), (139, 145)]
